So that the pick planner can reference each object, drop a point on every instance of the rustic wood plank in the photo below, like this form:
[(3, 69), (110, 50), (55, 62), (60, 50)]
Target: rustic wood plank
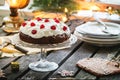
[(24, 62), (70, 65), (56, 56), (83, 75), (112, 77), (4, 62), (105, 51), (102, 53)]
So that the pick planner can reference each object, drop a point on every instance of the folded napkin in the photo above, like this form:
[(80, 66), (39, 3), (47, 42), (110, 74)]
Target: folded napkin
[(8, 50), (106, 67)]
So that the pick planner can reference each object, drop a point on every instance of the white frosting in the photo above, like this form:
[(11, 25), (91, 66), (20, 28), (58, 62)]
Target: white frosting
[(46, 31)]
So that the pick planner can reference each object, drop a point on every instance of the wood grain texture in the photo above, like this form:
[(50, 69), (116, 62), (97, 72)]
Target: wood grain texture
[(115, 51), (24, 62), (66, 59), (6, 61), (70, 64), (56, 56), (103, 52)]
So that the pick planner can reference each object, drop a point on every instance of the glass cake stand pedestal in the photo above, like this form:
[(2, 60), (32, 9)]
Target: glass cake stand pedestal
[(43, 65)]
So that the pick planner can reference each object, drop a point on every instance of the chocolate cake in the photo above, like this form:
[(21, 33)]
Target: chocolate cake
[(44, 31)]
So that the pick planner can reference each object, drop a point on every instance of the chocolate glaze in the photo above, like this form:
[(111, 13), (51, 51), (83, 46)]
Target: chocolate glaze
[(44, 40)]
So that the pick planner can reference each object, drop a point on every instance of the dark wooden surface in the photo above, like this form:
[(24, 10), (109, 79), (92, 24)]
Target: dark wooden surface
[(66, 58)]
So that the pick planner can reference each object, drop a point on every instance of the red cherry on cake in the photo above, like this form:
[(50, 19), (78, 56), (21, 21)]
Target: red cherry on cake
[(46, 20), (42, 26), (64, 28), (56, 20), (24, 24), (38, 19), (53, 27), (34, 31), (32, 24)]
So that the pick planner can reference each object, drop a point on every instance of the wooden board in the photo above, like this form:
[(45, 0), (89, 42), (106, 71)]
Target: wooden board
[(102, 53)]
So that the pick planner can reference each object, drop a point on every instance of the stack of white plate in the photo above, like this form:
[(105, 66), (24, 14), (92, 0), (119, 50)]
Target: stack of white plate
[(91, 32)]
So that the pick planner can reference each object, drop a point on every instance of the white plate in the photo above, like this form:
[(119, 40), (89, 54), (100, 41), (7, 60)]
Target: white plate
[(114, 17), (72, 40), (98, 36), (98, 42), (98, 39), (93, 29), (106, 15)]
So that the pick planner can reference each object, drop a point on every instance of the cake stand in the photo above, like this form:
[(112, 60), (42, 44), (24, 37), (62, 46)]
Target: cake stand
[(43, 65)]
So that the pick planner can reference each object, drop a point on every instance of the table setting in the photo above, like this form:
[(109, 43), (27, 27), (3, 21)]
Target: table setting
[(19, 47), (99, 33), (53, 45)]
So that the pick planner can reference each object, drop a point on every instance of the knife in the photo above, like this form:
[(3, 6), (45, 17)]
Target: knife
[(24, 51), (20, 49)]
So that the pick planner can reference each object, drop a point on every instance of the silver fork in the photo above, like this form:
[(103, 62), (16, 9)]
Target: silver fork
[(105, 30)]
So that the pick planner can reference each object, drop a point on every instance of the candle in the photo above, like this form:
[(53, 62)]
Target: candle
[(66, 10), (66, 13), (15, 66)]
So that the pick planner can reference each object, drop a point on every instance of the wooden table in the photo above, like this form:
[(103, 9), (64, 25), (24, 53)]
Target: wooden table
[(66, 58)]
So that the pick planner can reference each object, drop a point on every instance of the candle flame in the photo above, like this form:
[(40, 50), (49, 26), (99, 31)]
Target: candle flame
[(66, 10)]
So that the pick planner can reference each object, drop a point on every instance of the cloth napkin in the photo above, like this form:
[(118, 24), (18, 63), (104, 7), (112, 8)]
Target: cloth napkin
[(9, 50), (99, 66)]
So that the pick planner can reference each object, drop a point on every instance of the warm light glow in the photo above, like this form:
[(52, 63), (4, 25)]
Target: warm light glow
[(18, 3), (94, 8), (64, 19), (85, 13), (65, 10), (13, 3), (109, 8)]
